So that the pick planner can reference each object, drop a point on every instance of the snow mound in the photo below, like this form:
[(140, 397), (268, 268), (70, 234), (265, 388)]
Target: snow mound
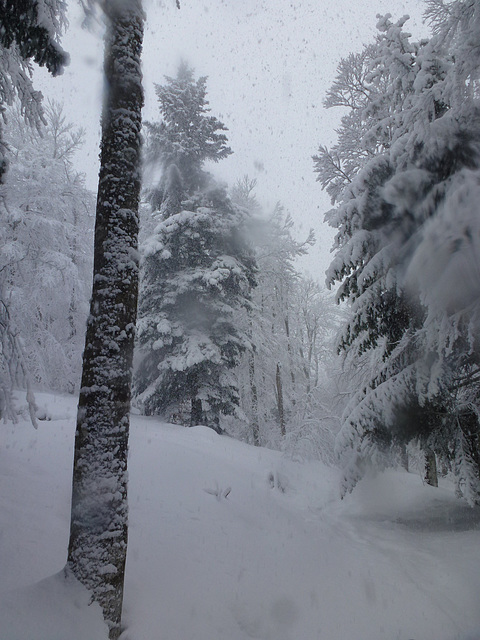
[(53, 609)]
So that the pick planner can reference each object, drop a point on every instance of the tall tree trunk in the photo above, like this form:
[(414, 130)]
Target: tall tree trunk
[(98, 533), (467, 458), (404, 456), (279, 390), (254, 398), (431, 477), (253, 385)]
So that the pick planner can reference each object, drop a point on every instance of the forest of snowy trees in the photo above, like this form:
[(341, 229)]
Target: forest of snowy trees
[(230, 333)]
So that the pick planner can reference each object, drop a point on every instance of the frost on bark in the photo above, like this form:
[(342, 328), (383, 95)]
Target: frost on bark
[(98, 534)]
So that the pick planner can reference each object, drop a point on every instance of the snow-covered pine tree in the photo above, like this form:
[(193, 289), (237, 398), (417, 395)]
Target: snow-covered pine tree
[(185, 138), (375, 85), (34, 26), (443, 256), (45, 264), (189, 339), (197, 266), (99, 528), (390, 217), (28, 29)]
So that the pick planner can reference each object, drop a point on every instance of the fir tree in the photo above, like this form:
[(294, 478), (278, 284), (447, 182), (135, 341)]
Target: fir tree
[(197, 276), (395, 211), (185, 138), (99, 529), (33, 27), (197, 266), (29, 29)]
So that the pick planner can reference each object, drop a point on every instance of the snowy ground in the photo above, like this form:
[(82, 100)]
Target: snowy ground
[(279, 558)]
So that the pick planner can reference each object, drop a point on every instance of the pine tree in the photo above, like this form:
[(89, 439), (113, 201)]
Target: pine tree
[(185, 138), (394, 219), (98, 533), (45, 269), (197, 265), (33, 27), (198, 272), (28, 28)]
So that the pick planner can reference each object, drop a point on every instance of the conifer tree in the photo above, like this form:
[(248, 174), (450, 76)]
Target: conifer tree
[(197, 265), (28, 29), (33, 26), (395, 208), (185, 138), (99, 530)]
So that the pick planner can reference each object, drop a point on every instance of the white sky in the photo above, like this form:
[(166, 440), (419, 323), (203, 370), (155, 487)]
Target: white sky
[(269, 63)]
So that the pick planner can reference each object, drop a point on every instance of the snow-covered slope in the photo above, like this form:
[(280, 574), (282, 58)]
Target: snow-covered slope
[(280, 557)]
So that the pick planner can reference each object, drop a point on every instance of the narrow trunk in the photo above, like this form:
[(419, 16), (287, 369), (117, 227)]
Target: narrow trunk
[(196, 412), (254, 398), (431, 477), (404, 456), (467, 458), (3, 156), (290, 358), (98, 533), (279, 389)]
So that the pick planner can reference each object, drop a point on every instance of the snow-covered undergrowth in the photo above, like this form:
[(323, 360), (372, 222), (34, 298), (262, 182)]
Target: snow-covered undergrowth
[(231, 542)]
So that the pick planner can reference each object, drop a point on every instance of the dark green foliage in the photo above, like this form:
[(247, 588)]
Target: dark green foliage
[(20, 25)]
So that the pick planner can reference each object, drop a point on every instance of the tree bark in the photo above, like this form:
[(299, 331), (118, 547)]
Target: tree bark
[(279, 389), (404, 456), (431, 477), (254, 398), (196, 412), (98, 533)]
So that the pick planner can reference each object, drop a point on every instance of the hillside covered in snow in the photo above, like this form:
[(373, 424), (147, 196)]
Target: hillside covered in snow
[(232, 541)]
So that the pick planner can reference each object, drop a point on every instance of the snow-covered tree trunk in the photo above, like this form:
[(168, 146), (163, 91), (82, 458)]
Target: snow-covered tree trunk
[(3, 158), (254, 398), (98, 534), (404, 456), (431, 477), (279, 394), (289, 351)]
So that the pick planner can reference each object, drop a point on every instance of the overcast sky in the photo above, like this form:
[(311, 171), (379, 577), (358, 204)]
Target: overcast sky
[(269, 64)]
